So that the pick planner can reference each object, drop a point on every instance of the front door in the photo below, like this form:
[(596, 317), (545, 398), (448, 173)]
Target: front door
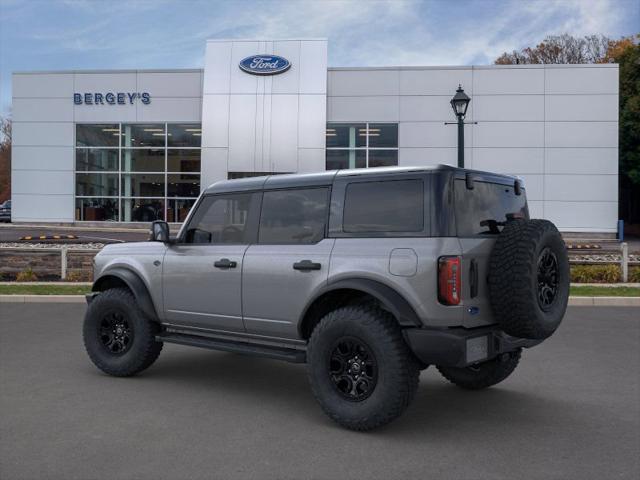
[(202, 273), (289, 262)]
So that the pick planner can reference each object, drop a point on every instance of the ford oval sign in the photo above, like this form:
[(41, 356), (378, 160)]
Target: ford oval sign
[(265, 64)]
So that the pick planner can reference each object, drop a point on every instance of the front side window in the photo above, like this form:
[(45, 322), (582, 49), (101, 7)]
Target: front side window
[(220, 219), (385, 206), (296, 216), (361, 145)]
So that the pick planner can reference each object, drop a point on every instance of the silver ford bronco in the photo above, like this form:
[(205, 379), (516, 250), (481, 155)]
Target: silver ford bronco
[(368, 276)]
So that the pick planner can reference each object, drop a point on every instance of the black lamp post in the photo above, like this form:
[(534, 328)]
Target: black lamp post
[(460, 103)]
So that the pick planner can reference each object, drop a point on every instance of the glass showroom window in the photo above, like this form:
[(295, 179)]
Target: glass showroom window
[(137, 172), (361, 145)]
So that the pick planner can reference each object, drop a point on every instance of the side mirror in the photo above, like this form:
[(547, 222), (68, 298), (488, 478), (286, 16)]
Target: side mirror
[(159, 231)]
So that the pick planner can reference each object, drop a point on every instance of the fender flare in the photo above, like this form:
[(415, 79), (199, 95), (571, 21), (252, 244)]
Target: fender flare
[(387, 296), (135, 284)]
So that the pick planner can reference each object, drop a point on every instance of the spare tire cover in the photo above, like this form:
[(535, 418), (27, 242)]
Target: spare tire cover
[(529, 278)]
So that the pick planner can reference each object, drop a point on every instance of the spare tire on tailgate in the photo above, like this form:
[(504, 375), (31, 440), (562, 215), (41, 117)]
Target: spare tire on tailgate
[(529, 278)]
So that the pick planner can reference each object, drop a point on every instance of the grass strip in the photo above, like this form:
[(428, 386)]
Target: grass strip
[(52, 289), (599, 291)]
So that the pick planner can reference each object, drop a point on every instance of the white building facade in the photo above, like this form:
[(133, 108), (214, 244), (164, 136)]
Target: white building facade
[(137, 145)]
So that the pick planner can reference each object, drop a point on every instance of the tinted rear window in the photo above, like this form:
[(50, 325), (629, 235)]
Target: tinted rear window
[(294, 216), (481, 211), (386, 206)]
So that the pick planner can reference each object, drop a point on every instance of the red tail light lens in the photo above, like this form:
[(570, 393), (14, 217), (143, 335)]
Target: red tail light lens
[(449, 280)]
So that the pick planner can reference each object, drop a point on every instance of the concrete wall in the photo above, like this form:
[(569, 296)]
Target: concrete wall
[(263, 123), (556, 126), (44, 117)]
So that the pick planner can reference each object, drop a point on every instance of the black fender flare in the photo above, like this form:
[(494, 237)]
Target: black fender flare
[(391, 300), (135, 284)]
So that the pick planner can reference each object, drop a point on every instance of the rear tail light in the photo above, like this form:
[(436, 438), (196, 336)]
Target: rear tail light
[(449, 280)]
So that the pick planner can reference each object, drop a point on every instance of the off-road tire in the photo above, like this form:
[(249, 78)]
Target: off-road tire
[(514, 278), (484, 374), (142, 351), (397, 369)]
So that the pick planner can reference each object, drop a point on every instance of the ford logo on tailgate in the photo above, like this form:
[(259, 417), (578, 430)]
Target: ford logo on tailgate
[(265, 64)]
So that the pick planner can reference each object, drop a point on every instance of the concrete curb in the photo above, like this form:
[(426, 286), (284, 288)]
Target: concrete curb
[(42, 299), (604, 301), (573, 301)]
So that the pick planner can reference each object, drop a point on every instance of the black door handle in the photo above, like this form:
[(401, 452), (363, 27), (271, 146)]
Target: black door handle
[(306, 265), (225, 263)]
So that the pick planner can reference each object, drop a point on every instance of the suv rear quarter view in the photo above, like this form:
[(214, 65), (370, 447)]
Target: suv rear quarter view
[(366, 276)]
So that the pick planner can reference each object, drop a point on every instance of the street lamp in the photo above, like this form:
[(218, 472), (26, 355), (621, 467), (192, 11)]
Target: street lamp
[(459, 104)]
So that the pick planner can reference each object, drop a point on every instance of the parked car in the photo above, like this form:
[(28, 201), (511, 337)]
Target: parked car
[(5, 211), (368, 276)]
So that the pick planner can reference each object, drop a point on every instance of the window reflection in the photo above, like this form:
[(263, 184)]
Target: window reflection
[(96, 209), (180, 185), (183, 160), (342, 159), (361, 145), (96, 185), (143, 160), (184, 135), (100, 135), (142, 210), (97, 159), (143, 135), (177, 210), (142, 185)]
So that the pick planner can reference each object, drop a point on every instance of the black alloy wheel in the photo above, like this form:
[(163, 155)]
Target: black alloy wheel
[(353, 369), (547, 278), (116, 332)]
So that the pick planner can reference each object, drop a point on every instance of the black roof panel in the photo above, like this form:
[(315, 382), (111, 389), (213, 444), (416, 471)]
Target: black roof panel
[(327, 178)]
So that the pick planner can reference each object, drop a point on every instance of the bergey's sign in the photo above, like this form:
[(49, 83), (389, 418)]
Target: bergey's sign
[(111, 98), (265, 64)]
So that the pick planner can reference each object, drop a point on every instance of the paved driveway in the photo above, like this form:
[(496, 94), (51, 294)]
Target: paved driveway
[(571, 410)]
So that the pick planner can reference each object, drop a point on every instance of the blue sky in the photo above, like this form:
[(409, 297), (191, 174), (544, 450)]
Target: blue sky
[(111, 34)]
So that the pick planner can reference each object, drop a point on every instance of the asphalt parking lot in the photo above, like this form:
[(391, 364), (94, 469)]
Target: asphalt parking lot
[(571, 410)]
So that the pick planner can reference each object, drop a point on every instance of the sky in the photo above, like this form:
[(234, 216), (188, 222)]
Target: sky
[(138, 34)]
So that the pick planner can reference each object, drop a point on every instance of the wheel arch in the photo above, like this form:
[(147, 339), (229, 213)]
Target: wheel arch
[(123, 277), (349, 290)]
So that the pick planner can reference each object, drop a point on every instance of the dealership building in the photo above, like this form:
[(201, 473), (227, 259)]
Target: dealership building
[(137, 145)]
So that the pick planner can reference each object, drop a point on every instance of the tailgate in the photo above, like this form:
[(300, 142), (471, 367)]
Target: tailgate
[(475, 289)]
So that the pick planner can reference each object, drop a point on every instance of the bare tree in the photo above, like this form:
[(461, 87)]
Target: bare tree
[(5, 158), (563, 48)]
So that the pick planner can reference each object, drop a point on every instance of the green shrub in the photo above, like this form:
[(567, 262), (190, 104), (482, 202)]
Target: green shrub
[(27, 275), (634, 274), (595, 273)]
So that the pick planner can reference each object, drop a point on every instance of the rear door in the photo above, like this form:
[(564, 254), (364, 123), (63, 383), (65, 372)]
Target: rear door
[(289, 262)]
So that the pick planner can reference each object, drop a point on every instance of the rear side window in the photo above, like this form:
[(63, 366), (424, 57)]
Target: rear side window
[(485, 209), (294, 216), (385, 206)]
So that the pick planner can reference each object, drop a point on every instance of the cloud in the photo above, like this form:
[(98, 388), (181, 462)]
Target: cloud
[(68, 34)]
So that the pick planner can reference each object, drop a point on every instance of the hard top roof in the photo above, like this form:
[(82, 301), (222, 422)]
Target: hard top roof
[(326, 178)]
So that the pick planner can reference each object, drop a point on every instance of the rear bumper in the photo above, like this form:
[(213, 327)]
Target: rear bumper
[(461, 347)]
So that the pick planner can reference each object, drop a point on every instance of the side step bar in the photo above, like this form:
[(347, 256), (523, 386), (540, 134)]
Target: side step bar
[(278, 353)]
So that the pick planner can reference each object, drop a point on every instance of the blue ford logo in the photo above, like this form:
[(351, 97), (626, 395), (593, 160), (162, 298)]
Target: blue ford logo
[(265, 64)]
